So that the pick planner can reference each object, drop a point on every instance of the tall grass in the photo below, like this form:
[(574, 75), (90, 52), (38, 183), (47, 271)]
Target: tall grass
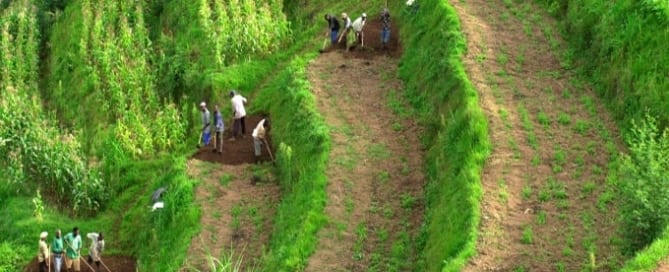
[(304, 145), (34, 153), (456, 133)]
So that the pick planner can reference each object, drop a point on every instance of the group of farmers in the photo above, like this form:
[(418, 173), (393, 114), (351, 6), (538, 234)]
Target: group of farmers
[(354, 30), (68, 249), (238, 128)]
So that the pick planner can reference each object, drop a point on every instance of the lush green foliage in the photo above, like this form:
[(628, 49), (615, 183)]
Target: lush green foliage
[(304, 145), (33, 152), (159, 239), (196, 41), (622, 45), (101, 80), (649, 258), (644, 184), (456, 136)]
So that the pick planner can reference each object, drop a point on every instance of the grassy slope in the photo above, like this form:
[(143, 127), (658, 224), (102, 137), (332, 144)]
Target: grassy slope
[(457, 133), (621, 46)]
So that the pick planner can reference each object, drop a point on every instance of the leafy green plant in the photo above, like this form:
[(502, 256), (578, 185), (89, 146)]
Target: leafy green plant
[(527, 236), (643, 183)]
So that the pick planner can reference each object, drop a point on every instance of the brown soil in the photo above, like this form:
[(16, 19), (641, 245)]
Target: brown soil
[(238, 203), (373, 46), (663, 267), (114, 263), (239, 151), (375, 162), (512, 66)]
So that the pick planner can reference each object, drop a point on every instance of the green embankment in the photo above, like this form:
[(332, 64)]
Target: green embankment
[(456, 132), (304, 145), (621, 48)]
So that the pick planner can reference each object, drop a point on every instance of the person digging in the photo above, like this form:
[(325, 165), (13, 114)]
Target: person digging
[(259, 138), (73, 244), (206, 128), (57, 251), (333, 30), (220, 127), (97, 246), (43, 255), (358, 26)]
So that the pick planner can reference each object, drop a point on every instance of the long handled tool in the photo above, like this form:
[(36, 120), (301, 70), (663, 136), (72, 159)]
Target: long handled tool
[(48, 259), (269, 150), (86, 263), (104, 265)]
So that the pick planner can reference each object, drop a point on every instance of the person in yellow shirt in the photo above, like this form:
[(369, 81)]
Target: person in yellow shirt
[(43, 254)]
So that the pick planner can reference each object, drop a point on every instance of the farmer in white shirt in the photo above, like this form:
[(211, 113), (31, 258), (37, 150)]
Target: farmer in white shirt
[(97, 246), (357, 26), (239, 112), (259, 134)]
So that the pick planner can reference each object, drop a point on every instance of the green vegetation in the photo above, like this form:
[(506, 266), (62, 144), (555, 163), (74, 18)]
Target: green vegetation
[(301, 158), (626, 65), (456, 134)]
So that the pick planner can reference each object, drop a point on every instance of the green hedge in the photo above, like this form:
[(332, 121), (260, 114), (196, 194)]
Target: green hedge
[(456, 132), (304, 144)]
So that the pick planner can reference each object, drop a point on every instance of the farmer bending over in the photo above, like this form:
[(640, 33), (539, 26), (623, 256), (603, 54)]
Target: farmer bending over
[(97, 246), (239, 113), (333, 25), (259, 134), (347, 26), (357, 26)]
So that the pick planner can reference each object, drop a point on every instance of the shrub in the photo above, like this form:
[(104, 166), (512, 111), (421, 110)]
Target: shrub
[(644, 183)]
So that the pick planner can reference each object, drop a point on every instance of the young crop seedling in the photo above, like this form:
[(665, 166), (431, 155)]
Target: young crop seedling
[(564, 119), (527, 192), (503, 191), (407, 201), (541, 218), (581, 127), (543, 119), (528, 236)]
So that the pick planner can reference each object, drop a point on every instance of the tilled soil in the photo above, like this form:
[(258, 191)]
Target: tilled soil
[(545, 179), (114, 263), (238, 200), (239, 151), (375, 163)]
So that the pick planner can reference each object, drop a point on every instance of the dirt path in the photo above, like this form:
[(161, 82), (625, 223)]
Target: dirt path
[(375, 178), (238, 203), (545, 204)]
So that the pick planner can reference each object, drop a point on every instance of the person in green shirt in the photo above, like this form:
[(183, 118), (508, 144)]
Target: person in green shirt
[(57, 250), (73, 248)]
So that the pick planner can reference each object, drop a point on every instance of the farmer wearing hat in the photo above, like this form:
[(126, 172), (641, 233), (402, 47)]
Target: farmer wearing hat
[(43, 254), (73, 246), (357, 26), (239, 113), (57, 251), (206, 128), (347, 26)]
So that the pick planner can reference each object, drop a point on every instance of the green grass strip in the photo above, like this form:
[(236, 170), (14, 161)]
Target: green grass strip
[(456, 132)]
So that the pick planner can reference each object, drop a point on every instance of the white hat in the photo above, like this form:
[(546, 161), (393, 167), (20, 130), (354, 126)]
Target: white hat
[(43, 235), (203, 104), (364, 14)]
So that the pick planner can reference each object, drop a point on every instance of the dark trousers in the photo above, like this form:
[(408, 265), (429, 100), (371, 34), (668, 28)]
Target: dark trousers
[(239, 124), (43, 267)]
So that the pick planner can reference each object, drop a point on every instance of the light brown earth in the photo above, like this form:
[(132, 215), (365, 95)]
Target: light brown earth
[(545, 202), (238, 204), (375, 175)]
